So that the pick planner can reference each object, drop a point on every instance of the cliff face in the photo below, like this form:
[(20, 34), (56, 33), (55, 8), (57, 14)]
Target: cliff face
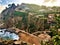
[(29, 8), (8, 11), (0, 17)]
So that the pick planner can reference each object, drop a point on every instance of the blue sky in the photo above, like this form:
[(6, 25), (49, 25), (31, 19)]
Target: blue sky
[(4, 3), (39, 2)]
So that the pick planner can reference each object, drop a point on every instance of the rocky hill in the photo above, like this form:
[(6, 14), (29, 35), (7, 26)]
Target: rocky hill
[(28, 8), (28, 13)]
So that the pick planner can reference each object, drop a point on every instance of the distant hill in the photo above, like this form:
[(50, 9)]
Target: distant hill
[(33, 7), (9, 12)]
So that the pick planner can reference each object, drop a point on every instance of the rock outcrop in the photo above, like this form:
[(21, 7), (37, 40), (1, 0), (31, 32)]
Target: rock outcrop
[(29, 38)]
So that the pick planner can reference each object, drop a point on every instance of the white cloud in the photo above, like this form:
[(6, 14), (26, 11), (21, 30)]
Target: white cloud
[(57, 3), (40, 2), (2, 8)]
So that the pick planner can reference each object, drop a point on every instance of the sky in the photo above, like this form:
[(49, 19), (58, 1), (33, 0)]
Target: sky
[(4, 3)]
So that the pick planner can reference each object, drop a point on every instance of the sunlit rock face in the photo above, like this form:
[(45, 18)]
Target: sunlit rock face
[(44, 37), (8, 35)]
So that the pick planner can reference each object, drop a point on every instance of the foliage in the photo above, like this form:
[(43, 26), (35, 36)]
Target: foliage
[(24, 18), (54, 31), (16, 13), (32, 28), (57, 19), (33, 8), (19, 25), (56, 40)]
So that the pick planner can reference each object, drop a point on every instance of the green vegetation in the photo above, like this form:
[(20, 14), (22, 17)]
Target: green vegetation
[(56, 40), (22, 14), (33, 8)]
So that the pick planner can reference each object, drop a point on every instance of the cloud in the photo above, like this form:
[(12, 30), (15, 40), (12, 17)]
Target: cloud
[(39, 2), (49, 0), (5, 2), (2, 8), (52, 3)]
